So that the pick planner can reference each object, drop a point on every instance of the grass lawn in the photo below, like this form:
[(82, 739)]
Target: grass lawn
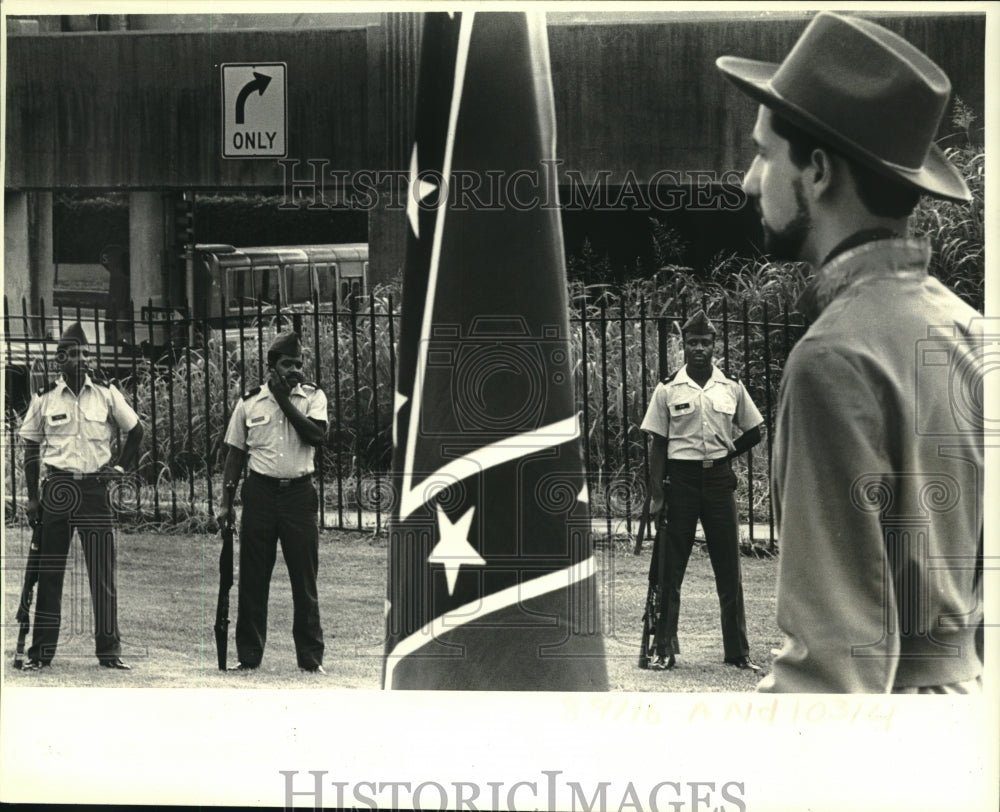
[(168, 585)]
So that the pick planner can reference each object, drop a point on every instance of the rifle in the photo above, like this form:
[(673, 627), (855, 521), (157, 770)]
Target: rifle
[(31, 568), (643, 524), (655, 597), (227, 531)]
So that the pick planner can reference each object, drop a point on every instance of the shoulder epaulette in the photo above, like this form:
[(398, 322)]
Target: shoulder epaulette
[(251, 393), (734, 378), (311, 385), (669, 377), (98, 379), (51, 385)]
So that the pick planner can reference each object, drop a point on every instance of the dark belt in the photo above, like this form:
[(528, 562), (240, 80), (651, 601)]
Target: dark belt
[(699, 463), (280, 483), (71, 474)]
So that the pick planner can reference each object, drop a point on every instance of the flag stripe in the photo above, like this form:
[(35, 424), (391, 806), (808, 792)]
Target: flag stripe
[(488, 456), (461, 60), (449, 621)]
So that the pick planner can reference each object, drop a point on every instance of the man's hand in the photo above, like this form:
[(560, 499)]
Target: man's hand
[(226, 516), (278, 385), (34, 511), (655, 509)]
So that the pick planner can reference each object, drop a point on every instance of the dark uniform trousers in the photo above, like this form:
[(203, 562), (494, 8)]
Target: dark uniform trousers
[(696, 493), (82, 503), (272, 512)]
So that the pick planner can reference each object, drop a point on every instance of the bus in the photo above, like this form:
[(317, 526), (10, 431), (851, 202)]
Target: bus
[(291, 277)]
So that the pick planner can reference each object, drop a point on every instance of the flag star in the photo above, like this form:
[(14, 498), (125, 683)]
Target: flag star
[(453, 549), (399, 402), (419, 189)]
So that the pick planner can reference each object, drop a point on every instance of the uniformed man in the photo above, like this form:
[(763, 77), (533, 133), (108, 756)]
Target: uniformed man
[(68, 428), (276, 429), (690, 418)]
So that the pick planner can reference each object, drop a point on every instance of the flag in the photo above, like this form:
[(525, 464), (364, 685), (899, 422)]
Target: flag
[(492, 576)]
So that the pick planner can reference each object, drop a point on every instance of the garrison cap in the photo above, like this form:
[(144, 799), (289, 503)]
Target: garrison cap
[(287, 343), (699, 325), (73, 336)]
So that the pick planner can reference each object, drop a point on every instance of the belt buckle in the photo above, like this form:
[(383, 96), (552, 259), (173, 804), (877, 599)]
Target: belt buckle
[(707, 463), (284, 483)]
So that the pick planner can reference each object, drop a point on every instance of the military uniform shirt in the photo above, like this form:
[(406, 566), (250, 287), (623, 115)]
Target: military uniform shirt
[(274, 447), (698, 423), (74, 431)]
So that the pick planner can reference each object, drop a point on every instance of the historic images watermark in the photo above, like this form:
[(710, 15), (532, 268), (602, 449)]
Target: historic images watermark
[(311, 184), (546, 791)]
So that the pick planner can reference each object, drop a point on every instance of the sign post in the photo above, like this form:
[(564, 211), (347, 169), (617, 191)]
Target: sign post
[(254, 110)]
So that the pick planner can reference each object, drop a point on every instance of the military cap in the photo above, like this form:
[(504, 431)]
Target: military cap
[(699, 325), (73, 336), (287, 343)]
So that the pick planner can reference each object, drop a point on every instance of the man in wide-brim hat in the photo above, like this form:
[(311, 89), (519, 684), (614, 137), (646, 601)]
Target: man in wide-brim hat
[(878, 453)]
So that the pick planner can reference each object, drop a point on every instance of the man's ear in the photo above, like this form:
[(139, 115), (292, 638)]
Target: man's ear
[(821, 172)]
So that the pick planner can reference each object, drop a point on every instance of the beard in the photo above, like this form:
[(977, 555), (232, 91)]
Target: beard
[(787, 242)]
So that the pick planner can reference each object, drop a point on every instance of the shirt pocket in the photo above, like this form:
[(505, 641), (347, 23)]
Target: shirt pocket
[(257, 421), (723, 401), (59, 420), (94, 420), (680, 404)]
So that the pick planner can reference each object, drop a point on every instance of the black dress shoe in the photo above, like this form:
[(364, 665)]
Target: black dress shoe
[(242, 667), (315, 669), (117, 664), (662, 663), (744, 663), (36, 665)]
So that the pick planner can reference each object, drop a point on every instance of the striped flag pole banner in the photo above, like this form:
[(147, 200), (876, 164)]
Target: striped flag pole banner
[(492, 579)]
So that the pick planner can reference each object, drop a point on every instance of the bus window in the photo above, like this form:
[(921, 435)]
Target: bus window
[(327, 274), (297, 284), (237, 287), (266, 283), (350, 292)]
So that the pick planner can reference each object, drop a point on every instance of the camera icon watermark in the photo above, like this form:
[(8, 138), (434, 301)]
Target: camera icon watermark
[(956, 360)]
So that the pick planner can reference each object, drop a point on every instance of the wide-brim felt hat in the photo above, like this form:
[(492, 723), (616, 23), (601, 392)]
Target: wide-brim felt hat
[(864, 91)]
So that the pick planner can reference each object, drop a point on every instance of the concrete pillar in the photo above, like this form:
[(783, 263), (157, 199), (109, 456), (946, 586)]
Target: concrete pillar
[(393, 57), (43, 267), (16, 254), (29, 269), (146, 245)]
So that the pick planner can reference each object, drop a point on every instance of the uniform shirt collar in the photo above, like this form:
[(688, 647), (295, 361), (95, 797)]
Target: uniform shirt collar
[(62, 386), (265, 391), (683, 377), (897, 257)]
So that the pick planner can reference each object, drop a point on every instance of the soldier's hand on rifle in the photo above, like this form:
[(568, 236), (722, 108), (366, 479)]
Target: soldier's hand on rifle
[(34, 511), (226, 517)]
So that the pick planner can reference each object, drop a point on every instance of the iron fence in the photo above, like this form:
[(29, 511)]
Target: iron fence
[(184, 375)]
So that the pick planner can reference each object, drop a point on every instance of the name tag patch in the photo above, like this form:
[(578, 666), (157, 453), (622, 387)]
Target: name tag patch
[(260, 420), (58, 419), (681, 408)]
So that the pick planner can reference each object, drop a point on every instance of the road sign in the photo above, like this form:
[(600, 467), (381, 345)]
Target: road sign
[(254, 110)]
